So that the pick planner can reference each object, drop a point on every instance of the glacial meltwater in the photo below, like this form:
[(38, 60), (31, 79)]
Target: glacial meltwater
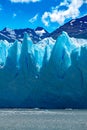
[(25, 119)]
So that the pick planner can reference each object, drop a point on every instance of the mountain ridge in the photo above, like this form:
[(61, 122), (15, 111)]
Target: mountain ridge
[(17, 34), (76, 28)]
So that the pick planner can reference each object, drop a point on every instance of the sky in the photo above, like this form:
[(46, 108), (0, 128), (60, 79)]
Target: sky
[(49, 14)]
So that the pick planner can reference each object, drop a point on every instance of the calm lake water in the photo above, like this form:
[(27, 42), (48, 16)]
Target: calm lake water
[(17, 119)]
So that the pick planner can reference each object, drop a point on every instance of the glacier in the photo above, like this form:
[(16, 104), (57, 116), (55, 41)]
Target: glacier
[(49, 74)]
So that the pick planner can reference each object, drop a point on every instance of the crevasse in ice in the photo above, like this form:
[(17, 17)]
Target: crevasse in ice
[(49, 74)]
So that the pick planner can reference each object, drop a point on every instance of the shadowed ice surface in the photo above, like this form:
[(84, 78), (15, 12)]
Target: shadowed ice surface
[(43, 119)]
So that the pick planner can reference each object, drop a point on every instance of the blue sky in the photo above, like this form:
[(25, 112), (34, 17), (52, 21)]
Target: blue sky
[(49, 14)]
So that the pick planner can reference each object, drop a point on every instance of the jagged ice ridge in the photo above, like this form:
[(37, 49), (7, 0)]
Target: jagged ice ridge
[(49, 74)]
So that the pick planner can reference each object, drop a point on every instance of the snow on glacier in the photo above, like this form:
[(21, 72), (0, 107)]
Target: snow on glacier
[(49, 74)]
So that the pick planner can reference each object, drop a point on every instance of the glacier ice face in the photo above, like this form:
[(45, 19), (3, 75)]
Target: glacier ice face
[(2, 53), (49, 74)]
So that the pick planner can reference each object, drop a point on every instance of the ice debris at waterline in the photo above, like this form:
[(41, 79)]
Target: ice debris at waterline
[(49, 74)]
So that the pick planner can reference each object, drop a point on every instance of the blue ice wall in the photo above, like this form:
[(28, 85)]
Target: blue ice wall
[(49, 74)]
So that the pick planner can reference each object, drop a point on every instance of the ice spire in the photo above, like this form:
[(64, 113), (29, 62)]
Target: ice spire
[(12, 61)]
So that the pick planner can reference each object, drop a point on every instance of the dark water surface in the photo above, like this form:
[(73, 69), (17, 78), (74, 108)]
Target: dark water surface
[(17, 119)]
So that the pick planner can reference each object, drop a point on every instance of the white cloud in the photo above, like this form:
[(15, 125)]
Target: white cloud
[(0, 7), (44, 18), (64, 3), (59, 16), (14, 15), (24, 1), (33, 19)]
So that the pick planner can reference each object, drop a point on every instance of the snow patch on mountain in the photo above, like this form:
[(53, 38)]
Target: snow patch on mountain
[(40, 32)]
